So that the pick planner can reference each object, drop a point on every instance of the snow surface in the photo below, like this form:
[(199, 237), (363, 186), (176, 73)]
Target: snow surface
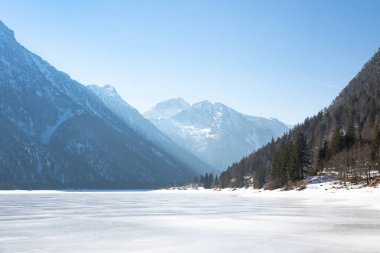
[(190, 221)]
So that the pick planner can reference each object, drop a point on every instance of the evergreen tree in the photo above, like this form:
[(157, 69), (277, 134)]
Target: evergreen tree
[(322, 155), (291, 161), (302, 156), (349, 137), (336, 142), (206, 181), (280, 165), (216, 182)]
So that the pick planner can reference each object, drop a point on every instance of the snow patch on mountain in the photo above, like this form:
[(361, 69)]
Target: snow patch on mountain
[(48, 133)]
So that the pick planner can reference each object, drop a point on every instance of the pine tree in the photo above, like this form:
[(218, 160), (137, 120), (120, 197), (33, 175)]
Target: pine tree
[(291, 161), (216, 182), (303, 155), (206, 179), (280, 165), (349, 137), (336, 142), (322, 155)]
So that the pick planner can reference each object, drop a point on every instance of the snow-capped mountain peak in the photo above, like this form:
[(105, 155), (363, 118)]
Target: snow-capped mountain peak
[(167, 109), (214, 132)]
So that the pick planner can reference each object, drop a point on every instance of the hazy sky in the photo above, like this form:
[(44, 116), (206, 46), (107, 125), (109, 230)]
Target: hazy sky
[(282, 59)]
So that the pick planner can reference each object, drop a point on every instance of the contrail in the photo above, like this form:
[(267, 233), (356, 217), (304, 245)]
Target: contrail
[(312, 80)]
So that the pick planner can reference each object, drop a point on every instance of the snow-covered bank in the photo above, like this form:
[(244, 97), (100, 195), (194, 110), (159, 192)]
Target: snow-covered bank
[(318, 192)]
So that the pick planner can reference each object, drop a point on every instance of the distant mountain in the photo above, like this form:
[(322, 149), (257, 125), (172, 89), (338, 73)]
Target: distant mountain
[(56, 133), (215, 133), (145, 128), (166, 109), (345, 137)]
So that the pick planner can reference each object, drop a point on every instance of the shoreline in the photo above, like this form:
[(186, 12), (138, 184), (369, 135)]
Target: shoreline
[(322, 193), (316, 193)]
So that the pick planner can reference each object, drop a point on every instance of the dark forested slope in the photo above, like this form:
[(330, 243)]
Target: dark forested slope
[(344, 136)]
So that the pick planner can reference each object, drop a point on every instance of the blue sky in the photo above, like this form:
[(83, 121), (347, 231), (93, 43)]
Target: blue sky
[(282, 59)]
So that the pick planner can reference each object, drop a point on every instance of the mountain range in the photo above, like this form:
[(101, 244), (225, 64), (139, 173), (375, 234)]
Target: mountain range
[(57, 133), (213, 132), (109, 96)]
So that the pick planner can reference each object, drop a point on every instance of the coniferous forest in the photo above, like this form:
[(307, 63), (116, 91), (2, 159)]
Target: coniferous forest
[(343, 139)]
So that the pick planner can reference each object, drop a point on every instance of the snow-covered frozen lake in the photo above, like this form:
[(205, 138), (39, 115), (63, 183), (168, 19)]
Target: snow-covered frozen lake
[(182, 221)]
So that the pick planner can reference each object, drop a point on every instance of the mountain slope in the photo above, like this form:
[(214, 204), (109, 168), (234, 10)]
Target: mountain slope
[(145, 128), (55, 133), (346, 135), (214, 132)]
